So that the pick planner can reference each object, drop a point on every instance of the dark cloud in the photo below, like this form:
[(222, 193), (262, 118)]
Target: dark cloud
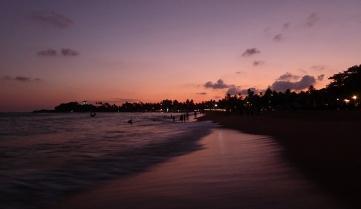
[(288, 77), (283, 85), (321, 77), (234, 90), (52, 18), (217, 85), (69, 52), (47, 53), (278, 37), (22, 79), (257, 63), (312, 19), (250, 52), (201, 93)]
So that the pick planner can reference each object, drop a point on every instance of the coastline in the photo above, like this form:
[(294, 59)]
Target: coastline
[(233, 170), (325, 146)]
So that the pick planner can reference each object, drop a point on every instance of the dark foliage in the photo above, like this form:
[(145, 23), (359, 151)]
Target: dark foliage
[(342, 93)]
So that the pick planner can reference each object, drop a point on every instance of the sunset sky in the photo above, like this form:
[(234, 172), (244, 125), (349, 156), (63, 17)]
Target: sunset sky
[(115, 51)]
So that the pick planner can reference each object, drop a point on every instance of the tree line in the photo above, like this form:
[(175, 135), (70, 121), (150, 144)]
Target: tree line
[(342, 92)]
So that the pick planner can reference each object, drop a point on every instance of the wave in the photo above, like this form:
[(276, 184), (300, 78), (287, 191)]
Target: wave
[(35, 176)]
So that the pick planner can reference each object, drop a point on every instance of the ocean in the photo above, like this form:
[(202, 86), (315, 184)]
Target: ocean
[(47, 157)]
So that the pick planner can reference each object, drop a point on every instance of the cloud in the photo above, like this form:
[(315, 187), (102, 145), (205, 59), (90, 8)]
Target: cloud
[(286, 26), (47, 53), (234, 90), (318, 67), (217, 85), (22, 79), (69, 52), (278, 37), (201, 93), (312, 19), (53, 52), (288, 77), (250, 52), (52, 18), (257, 63), (303, 83), (321, 77)]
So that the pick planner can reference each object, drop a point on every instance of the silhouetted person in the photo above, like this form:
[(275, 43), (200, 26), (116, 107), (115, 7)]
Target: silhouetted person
[(130, 121)]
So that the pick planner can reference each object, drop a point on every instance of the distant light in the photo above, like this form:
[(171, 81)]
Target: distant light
[(216, 105), (346, 101), (337, 99), (354, 97)]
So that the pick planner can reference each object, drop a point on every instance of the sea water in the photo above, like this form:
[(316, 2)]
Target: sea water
[(46, 157)]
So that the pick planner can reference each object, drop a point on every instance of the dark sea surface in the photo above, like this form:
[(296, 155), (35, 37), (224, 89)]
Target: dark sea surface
[(47, 157)]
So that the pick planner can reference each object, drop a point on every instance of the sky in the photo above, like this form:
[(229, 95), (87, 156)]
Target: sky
[(115, 51)]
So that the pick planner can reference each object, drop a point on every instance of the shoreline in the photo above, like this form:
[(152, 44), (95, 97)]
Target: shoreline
[(325, 146), (234, 170)]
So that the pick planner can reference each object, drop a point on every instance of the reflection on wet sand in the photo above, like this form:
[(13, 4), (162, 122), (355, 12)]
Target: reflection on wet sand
[(234, 170)]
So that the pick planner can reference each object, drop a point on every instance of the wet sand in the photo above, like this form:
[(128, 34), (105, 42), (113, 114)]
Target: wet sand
[(324, 145), (232, 170)]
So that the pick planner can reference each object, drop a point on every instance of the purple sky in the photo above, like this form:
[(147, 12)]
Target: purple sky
[(59, 51)]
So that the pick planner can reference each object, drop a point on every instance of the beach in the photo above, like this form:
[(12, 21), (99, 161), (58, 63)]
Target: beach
[(275, 160), (232, 169), (324, 145)]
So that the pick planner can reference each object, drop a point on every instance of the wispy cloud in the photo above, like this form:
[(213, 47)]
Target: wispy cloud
[(250, 52), (312, 19), (47, 53), (278, 37), (258, 63), (201, 93), (22, 79), (318, 67), (53, 52), (52, 18), (286, 26), (69, 52)]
